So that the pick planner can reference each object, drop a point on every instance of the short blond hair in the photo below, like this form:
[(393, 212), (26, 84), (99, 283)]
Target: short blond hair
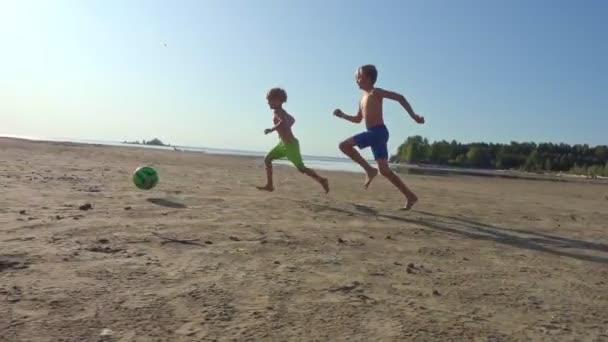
[(370, 71)]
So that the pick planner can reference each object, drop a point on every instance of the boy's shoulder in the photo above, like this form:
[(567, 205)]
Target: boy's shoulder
[(281, 112), (377, 91)]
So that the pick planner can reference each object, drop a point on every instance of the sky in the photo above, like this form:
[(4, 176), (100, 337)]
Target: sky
[(196, 72)]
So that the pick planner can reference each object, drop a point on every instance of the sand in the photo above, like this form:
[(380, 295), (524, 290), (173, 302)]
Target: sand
[(478, 259)]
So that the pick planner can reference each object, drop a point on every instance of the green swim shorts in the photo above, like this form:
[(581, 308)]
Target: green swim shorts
[(291, 151)]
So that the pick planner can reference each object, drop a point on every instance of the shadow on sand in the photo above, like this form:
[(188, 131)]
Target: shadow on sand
[(468, 228), (167, 203)]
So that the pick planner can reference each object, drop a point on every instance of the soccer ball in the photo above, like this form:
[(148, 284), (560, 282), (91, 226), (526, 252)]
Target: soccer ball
[(145, 177)]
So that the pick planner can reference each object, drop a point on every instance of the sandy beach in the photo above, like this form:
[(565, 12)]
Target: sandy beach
[(207, 257)]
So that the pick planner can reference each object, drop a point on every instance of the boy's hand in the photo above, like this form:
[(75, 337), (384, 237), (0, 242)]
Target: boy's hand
[(419, 119), (268, 131), (338, 113)]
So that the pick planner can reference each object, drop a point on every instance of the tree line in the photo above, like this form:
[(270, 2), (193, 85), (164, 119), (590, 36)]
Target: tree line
[(153, 142), (526, 156)]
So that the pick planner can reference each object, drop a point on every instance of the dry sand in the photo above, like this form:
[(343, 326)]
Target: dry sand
[(478, 259)]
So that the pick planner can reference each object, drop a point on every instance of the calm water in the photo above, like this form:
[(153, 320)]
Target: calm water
[(315, 162)]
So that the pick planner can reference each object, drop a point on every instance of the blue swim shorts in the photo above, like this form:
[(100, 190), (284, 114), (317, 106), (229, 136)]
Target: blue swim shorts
[(375, 137)]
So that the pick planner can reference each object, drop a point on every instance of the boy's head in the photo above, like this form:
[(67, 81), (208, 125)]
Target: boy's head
[(276, 97), (366, 76)]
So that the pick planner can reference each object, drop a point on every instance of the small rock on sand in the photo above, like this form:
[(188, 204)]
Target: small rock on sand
[(106, 333), (86, 206)]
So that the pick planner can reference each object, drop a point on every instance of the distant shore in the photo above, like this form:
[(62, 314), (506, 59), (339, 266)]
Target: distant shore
[(345, 165)]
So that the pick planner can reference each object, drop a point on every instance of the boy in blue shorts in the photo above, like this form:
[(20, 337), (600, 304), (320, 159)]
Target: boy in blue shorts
[(376, 136)]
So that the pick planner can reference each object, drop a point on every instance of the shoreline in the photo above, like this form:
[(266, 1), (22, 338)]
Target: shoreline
[(405, 169)]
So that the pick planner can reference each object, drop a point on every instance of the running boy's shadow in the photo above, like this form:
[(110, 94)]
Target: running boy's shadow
[(365, 209), (167, 203), (519, 238)]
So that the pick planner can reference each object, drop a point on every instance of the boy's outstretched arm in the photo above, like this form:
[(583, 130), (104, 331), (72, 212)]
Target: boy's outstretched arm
[(402, 101), (273, 128), (356, 118)]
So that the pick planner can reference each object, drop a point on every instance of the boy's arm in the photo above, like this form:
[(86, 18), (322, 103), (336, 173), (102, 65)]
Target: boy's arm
[(274, 128), (281, 120), (356, 118), (385, 94)]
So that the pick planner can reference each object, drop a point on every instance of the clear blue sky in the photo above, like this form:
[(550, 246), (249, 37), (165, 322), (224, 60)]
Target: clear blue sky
[(478, 70)]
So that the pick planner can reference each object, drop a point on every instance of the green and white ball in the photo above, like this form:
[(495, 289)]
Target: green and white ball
[(145, 177)]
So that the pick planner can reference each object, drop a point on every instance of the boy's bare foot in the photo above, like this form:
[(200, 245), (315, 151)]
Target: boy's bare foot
[(266, 187), (325, 183), (370, 176), (409, 203)]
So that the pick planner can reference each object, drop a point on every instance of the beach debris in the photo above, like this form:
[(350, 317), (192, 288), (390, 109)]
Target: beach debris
[(10, 263), (234, 238), (182, 241), (128, 208), (22, 212), (207, 242), (104, 249), (436, 293), (86, 206), (371, 237), (106, 333), (103, 241), (346, 288), (388, 237), (340, 240), (398, 263)]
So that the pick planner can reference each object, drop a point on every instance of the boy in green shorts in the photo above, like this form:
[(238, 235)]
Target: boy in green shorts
[(288, 147)]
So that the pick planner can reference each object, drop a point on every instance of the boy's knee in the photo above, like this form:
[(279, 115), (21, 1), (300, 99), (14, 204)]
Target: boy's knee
[(268, 161), (385, 170), (345, 145)]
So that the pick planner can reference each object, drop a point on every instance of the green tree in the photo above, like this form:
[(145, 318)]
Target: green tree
[(601, 154), (533, 162), (439, 152), (548, 164), (479, 156)]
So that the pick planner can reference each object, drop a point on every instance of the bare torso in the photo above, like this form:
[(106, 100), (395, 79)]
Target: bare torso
[(284, 131), (370, 106)]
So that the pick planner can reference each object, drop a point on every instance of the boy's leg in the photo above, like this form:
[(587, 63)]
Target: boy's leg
[(410, 197), (348, 147), (293, 154), (311, 173), (277, 152)]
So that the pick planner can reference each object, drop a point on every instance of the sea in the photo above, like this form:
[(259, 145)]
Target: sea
[(328, 163), (314, 162)]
